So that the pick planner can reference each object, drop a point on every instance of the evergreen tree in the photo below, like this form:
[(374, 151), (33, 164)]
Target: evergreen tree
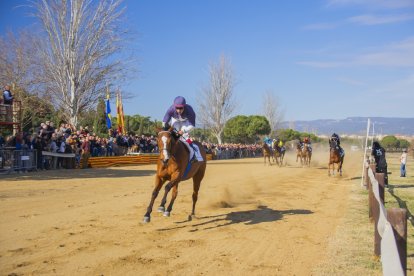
[(99, 124)]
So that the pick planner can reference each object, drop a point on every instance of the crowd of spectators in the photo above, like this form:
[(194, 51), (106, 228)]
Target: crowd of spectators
[(83, 143)]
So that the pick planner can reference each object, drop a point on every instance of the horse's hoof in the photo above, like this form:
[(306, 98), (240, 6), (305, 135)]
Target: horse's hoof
[(146, 219), (161, 209), (166, 214)]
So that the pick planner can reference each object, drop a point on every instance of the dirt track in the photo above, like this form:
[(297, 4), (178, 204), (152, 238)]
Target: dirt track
[(251, 219)]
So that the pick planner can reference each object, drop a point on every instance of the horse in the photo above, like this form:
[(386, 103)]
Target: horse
[(335, 156), (267, 153), (307, 154), (279, 154), (304, 152), (173, 165), (299, 153)]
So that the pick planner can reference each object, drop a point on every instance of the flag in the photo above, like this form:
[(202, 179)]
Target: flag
[(120, 116), (108, 112)]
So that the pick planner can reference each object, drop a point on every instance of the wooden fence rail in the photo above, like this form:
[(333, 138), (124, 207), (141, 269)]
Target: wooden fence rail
[(114, 161), (390, 241)]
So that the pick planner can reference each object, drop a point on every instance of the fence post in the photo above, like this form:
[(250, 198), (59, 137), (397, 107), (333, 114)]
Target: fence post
[(366, 177), (380, 177), (398, 219), (377, 237), (376, 210), (373, 167), (370, 200)]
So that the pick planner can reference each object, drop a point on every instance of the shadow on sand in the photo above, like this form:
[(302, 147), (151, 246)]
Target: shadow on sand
[(251, 217)]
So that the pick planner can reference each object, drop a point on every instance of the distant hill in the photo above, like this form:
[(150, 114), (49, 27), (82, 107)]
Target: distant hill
[(355, 125)]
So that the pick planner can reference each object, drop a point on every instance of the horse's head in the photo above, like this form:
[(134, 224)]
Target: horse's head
[(333, 143), (166, 140)]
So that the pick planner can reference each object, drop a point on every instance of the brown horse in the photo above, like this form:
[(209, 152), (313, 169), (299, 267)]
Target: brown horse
[(306, 154), (267, 153), (173, 166), (335, 157), (299, 153), (279, 154)]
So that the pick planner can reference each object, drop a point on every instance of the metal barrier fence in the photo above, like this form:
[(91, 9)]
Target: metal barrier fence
[(17, 160), (237, 153)]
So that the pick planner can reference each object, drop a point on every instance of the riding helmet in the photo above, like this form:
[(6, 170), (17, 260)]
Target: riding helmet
[(179, 101)]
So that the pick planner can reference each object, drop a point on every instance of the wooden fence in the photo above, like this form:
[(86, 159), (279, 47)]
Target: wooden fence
[(390, 238), (113, 161)]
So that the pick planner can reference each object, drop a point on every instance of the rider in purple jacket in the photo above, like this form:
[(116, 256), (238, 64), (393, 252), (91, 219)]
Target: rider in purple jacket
[(181, 117)]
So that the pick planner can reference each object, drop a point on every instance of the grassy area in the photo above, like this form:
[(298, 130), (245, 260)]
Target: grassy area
[(351, 250)]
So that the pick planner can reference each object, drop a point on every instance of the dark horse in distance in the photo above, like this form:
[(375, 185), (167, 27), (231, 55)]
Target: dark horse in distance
[(279, 153), (267, 153), (173, 166), (336, 155)]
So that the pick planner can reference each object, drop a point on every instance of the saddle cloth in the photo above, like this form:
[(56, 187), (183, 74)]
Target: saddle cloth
[(196, 151)]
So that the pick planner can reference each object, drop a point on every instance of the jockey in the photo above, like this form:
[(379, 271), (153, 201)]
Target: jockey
[(300, 143), (307, 141), (335, 137), (268, 141), (275, 142), (181, 117)]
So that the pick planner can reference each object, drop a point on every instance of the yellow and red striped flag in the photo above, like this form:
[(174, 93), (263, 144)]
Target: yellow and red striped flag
[(120, 111)]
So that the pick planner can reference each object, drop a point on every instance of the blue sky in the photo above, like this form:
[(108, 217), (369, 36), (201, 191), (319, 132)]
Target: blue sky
[(323, 59)]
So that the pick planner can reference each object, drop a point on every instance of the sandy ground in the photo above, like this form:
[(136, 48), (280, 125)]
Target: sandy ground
[(251, 220)]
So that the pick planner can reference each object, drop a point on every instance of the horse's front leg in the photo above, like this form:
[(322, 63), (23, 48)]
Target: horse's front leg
[(168, 187), (175, 179), (158, 185), (173, 197)]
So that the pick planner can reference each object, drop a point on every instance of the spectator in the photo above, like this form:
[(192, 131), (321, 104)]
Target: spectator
[(2, 141), (7, 96), (85, 152), (381, 163), (8, 104), (53, 145), (403, 160), (109, 147), (37, 145)]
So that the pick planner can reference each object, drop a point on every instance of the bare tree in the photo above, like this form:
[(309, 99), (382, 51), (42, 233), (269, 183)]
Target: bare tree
[(18, 61), (272, 110), (81, 52), (216, 101)]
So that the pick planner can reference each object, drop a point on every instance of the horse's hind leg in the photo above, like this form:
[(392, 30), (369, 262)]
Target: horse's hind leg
[(196, 187), (158, 185), (340, 167)]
